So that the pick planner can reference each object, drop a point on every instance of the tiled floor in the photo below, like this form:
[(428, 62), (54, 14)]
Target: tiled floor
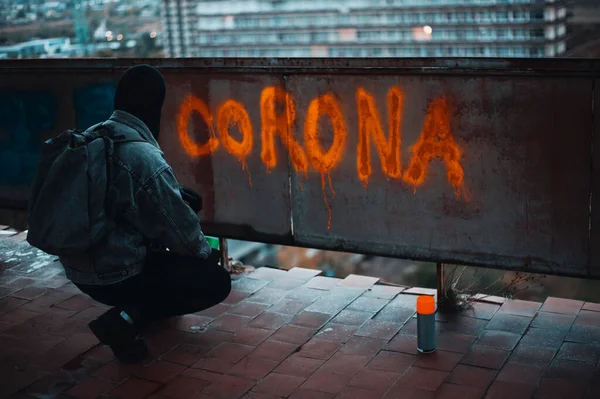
[(292, 334)]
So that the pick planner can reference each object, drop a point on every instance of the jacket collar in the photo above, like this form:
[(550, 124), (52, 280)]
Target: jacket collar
[(136, 124)]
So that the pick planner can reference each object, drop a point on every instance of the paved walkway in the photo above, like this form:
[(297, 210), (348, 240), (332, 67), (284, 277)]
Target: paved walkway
[(292, 334)]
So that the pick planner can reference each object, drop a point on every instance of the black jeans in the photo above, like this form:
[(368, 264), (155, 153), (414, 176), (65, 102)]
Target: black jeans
[(169, 285)]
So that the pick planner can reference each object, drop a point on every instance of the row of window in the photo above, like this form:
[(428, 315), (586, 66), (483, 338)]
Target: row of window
[(448, 51), (341, 36), (378, 19), (212, 7), (451, 2)]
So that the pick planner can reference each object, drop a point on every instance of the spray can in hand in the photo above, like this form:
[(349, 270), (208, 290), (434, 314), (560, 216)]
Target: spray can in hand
[(426, 324)]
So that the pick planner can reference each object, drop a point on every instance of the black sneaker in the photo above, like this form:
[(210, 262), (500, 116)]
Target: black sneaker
[(116, 329), (131, 353)]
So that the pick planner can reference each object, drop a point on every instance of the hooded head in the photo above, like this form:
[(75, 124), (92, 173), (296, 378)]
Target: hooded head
[(141, 93)]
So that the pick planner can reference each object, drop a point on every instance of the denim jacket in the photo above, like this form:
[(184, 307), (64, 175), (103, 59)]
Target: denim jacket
[(145, 203)]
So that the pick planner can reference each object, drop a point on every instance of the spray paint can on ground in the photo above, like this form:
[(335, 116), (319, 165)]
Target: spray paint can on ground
[(426, 324)]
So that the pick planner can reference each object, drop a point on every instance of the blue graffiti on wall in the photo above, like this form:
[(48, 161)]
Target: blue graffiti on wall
[(27, 116), (24, 116), (93, 104)]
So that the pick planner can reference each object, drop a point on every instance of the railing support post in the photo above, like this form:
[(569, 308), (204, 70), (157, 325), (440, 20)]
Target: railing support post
[(441, 281), (224, 253)]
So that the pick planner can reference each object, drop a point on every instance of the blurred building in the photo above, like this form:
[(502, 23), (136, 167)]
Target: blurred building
[(39, 48), (82, 30), (364, 28)]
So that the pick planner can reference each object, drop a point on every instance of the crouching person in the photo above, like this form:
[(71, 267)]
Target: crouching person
[(103, 199)]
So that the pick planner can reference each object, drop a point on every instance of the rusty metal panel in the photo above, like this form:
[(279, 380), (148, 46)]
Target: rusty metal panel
[(34, 107), (595, 197), (525, 160), (514, 134), (240, 198)]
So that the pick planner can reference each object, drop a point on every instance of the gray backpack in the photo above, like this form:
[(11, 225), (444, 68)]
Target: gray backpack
[(67, 207)]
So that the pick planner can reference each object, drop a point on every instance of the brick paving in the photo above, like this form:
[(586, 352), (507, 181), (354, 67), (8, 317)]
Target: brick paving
[(292, 334)]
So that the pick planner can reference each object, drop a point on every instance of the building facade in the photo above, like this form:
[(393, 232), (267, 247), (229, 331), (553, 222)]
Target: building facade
[(180, 24), (364, 28), (39, 48)]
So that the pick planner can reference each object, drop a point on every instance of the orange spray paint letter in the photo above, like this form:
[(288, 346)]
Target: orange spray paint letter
[(436, 141), (369, 124), (325, 161), (233, 113), (281, 124), (189, 105)]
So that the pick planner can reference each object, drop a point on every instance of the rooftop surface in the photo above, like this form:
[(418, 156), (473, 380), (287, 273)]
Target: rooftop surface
[(291, 334)]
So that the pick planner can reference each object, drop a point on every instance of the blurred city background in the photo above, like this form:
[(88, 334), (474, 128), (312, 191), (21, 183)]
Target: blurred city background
[(319, 28), (293, 28)]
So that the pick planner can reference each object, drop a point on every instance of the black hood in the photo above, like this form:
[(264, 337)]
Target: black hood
[(141, 93)]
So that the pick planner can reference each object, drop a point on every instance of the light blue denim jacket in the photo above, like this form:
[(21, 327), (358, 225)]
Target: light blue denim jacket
[(145, 203)]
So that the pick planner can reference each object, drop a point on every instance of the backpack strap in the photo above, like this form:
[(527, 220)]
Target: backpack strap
[(103, 131)]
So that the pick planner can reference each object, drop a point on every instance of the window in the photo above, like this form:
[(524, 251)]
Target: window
[(518, 51), (518, 34), (320, 37), (535, 52), (241, 22), (537, 15), (289, 37), (537, 33), (303, 21)]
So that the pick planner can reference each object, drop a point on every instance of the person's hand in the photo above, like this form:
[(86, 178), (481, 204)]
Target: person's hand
[(191, 198)]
